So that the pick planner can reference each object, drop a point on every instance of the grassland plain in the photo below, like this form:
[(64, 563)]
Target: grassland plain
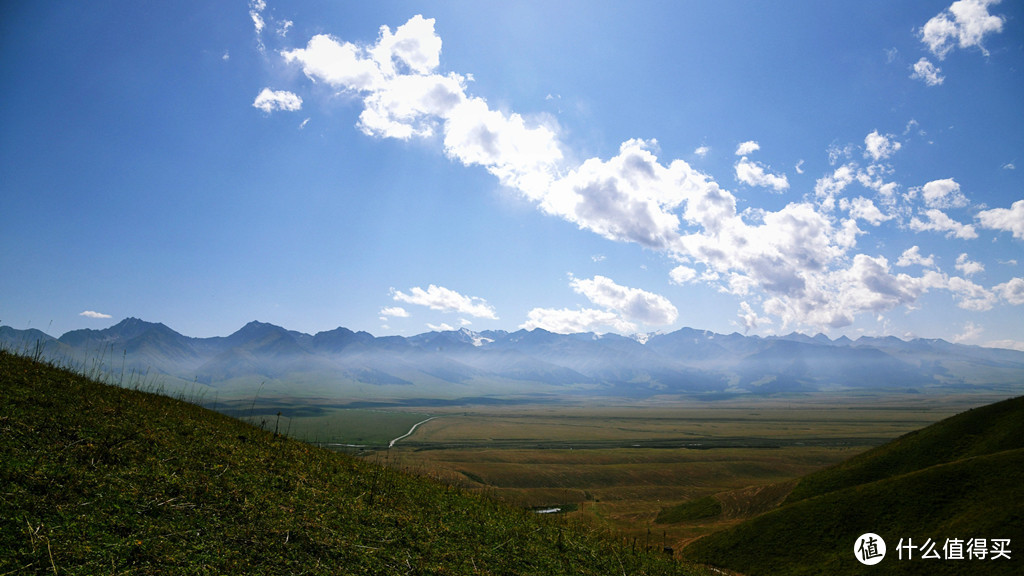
[(621, 466), (98, 479), (961, 478)]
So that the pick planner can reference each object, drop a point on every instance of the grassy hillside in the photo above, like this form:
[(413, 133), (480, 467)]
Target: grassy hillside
[(96, 479), (961, 478), (977, 432)]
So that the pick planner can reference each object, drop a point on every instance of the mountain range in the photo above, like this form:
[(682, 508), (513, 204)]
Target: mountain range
[(341, 363)]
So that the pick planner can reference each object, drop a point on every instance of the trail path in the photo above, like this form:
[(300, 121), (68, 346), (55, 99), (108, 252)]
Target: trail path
[(411, 430)]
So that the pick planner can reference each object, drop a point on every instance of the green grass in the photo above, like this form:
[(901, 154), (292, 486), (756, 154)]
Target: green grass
[(961, 478), (976, 432), (700, 509), (97, 479)]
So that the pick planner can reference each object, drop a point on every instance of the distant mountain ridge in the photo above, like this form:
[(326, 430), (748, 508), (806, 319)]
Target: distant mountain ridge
[(342, 362)]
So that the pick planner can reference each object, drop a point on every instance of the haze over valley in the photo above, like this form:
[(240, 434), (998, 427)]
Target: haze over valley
[(461, 365)]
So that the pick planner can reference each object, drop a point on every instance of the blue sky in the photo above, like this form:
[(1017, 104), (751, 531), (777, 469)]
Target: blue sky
[(761, 167)]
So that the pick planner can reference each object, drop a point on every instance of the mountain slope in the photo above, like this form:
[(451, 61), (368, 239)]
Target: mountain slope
[(344, 364), (99, 479), (960, 478)]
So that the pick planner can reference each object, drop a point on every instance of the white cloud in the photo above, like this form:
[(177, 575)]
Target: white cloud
[(1005, 219), (565, 321), (864, 209), (633, 304), (1009, 166), (971, 332), (970, 296), (92, 314), (943, 194), (912, 256), (682, 275), (404, 98), (747, 148), (756, 174), (269, 100), (622, 309), (927, 72), (938, 221), (627, 198), (827, 188), (702, 151), (879, 147), (967, 266), (965, 23), (442, 327), (284, 27), (256, 8), (394, 311), (445, 300), (749, 320), (798, 261), (1012, 291), (799, 167)]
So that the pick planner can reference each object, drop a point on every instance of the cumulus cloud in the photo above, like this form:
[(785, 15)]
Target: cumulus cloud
[(701, 152), (964, 24), (756, 174), (682, 275), (938, 221), (912, 256), (404, 97), (967, 266), (864, 209), (566, 321), (1006, 219), (629, 197), (622, 309), (747, 147), (970, 296), (796, 262), (927, 72), (749, 320), (880, 146), (93, 314), (1011, 291), (394, 311), (446, 300), (269, 100), (633, 304), (943, 194)]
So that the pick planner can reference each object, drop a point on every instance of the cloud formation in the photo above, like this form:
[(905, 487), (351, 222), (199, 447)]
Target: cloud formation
[(964, 24), (269, 100), (93, 314), (756, 174), (622, 309), (880, 146), (1005, 219), (800, 263), (939, 221), (927, 72), (445, 300)]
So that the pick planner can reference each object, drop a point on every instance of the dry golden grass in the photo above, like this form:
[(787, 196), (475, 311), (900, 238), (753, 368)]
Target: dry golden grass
[(619, 466)]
